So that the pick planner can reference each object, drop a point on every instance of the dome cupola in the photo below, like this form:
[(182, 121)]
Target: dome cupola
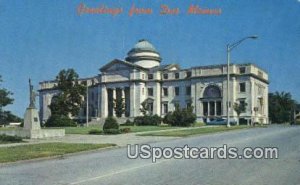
[(144, 54)]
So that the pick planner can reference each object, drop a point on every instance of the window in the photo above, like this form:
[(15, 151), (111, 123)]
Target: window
[(188, 90), (176, 91), (242, 70), (188, 74), (150, 76), (143, 76), (165, 108), (243, 87), (143, 91), (176, 75), (150, 91), (93, 96), (150, 108), (166, 76), (165, 91)]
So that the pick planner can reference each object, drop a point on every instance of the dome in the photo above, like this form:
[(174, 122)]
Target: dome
[(143, 45), (144, 54)]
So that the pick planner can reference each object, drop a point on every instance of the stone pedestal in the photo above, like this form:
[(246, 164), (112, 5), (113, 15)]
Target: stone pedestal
[(31, 119)]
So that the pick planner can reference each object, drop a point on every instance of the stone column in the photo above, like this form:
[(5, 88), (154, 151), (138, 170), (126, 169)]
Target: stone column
[(208, 108), (104, 102), (123, 99), (114, 98), (132, 99)]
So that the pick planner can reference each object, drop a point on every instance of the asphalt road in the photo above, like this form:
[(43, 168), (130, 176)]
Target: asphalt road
[(113, 167)]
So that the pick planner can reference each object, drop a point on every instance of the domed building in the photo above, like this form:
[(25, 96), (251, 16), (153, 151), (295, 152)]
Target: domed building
[(144, 54), (141, 77)]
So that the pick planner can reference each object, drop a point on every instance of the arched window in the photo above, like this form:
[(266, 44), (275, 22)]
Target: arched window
[(212, 91), (212, 101)]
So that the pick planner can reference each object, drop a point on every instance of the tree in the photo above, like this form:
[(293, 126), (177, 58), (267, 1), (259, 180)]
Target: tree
[(119, 106), (239, 108), (281, 107), (69, 99), (5, 100), (180, 117)]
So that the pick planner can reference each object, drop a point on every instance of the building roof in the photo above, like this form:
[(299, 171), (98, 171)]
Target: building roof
[(143, 45)]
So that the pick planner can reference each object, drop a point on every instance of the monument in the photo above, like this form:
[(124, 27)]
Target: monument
[(32, 128), (31, 118)]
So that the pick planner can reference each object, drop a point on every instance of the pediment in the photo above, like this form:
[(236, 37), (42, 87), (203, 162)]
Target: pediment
[(115, 65), (119, 65)]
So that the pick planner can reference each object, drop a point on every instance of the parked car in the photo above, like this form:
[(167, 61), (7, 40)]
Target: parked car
[(220, 121)]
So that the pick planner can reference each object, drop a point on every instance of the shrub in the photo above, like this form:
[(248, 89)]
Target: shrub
[(110, 126), (6, 138), (125, 130), (128, 123), (95, 132), (60, 121), (180, 117), (147, 120), (112, 131)]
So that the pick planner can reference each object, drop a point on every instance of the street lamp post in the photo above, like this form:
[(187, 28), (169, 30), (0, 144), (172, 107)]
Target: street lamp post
[(229, 49), (87, 104)]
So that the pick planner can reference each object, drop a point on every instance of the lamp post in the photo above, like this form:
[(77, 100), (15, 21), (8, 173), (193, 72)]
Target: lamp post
[(230, 47), (87, 104)]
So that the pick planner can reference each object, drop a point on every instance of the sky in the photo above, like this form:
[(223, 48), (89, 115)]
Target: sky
[(38, 38)]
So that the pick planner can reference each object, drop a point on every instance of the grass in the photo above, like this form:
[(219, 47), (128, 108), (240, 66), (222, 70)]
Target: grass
[(25, 152), (86, 130), (197, 131), (80, 130)]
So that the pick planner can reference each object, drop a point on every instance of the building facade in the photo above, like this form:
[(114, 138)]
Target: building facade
[(141, 77)]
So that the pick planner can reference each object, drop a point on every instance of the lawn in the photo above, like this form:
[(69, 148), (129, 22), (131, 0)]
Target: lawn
[(85, 130), (80, 130), (25, 152), (197, 131)]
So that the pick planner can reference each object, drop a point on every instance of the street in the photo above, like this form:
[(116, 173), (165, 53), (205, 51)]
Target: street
[(113, 167)]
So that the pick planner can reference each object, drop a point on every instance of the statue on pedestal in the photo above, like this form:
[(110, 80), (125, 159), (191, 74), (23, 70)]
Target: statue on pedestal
[(32, 95)]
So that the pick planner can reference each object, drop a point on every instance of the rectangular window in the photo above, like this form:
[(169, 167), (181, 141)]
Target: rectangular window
[(150, 76), (176, 75), (165, 108), (150, 91), (242, 70), (143, 91), (143, 76), (188, 74), (165, 91), (166, 76), (243, 87), (188, 90), (176, 91)]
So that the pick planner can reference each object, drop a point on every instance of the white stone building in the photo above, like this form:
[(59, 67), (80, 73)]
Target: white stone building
[(141, 77)]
